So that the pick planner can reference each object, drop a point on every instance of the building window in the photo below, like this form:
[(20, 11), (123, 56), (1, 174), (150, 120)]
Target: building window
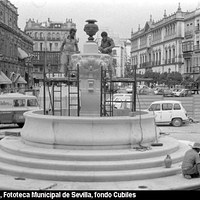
[(41, 35), (160, 56), (114, 52), (174, 52), (41, 46), (115, 62), (166, 54), (36, 35), (50, 46), (188, 65), (49, 36)]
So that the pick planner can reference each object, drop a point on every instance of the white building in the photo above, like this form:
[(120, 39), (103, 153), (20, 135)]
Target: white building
[(158, 46)]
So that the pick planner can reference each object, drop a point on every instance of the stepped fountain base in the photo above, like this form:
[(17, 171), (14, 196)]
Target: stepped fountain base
[(49, 153), (34, 168)]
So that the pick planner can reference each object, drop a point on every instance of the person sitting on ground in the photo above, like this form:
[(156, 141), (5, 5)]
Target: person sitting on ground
[(191, 162)]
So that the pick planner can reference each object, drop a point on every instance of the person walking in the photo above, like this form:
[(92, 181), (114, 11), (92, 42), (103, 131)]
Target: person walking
[(191, 162)]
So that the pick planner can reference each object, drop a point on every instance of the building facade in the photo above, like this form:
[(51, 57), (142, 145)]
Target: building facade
[(191, 44), (13, 43), (158, 46), (48, 37)]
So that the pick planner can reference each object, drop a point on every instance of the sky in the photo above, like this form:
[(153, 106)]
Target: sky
[(121, 16)]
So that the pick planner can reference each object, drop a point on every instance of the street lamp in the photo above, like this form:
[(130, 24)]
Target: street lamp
[(134, 87), (44, 74)]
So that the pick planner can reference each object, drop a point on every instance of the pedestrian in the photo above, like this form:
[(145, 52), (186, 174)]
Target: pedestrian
[(107, 44), (191, 162), (68, 48)]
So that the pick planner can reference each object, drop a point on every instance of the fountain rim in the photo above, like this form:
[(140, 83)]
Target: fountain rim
[(36, 115)]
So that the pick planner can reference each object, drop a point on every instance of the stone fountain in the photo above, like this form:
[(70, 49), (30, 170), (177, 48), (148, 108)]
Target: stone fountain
[(89, 151)]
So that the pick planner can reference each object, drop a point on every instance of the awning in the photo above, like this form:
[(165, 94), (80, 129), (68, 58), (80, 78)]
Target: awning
[(19, 79), (22, 54), (4, 79), (38, 76)]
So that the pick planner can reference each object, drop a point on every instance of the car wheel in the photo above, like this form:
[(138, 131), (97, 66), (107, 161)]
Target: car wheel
[(177, 122)]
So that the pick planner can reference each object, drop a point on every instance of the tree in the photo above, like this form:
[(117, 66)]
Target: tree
[(153, 75), (163, 78), (174, 78), (188, 81)]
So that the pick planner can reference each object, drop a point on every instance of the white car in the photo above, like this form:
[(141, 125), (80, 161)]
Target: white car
[(129, 89), (121, 100), (169, 112), (177, 92)]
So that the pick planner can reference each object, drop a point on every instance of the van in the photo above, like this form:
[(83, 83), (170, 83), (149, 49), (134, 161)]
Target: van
[(13, 105), (169, 112)]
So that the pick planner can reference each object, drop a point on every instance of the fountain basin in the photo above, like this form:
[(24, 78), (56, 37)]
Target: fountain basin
[(88, 132)]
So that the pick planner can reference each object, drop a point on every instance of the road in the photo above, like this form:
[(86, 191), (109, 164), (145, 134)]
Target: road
[(189, 132)]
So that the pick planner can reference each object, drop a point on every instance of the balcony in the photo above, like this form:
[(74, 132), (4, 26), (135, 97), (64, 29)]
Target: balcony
[(146, 65), (188, 47), (196, 48), (197, 29), (48, 39), (188, 34), (52, 57)]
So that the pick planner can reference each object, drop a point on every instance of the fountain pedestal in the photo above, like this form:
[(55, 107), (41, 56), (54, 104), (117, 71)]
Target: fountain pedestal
[(90, 64)]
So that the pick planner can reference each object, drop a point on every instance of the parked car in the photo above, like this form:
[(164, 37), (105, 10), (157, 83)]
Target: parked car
[(143, 89), (168, 93), (183, 93), (121, 100), (159, 91), (169, 112), (129, 89), (177, 92)]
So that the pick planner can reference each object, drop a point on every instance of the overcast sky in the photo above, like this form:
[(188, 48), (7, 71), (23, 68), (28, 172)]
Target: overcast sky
[(121, 16)]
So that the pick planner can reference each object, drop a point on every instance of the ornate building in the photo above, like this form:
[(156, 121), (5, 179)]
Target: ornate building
[(158, 46), (15, 45), (48, 37), (191, 44)]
